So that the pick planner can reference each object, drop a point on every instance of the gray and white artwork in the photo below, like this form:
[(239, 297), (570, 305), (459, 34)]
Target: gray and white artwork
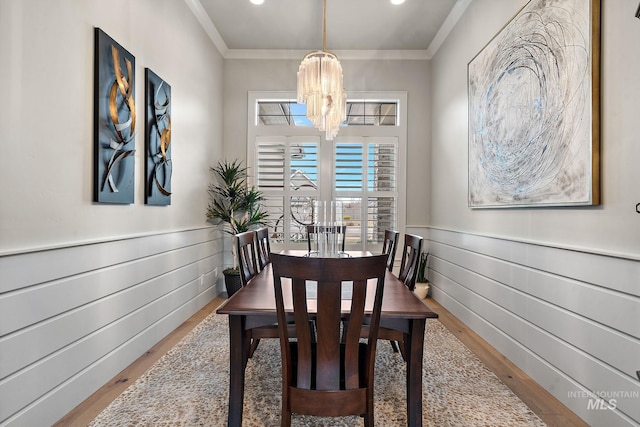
[(532, 132)]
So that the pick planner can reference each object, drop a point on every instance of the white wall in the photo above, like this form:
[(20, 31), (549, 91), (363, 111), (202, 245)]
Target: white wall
[(46, 117), (86, 288), (554, 289), (611, 227), (242, 76)]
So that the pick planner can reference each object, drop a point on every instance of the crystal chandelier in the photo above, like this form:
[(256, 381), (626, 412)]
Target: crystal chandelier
[(320, 87)]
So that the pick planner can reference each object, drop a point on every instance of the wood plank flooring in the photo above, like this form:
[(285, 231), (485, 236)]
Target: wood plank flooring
[(548, 408)]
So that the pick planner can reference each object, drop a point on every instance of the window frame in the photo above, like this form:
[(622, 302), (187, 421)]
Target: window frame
[(326, 166)]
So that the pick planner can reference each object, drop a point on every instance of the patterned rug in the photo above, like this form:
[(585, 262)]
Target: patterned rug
[(188, 386)]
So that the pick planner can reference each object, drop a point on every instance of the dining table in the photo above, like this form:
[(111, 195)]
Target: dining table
[(254, 306)]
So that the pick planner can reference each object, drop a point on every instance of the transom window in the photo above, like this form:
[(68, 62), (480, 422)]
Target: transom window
[(359, 113)]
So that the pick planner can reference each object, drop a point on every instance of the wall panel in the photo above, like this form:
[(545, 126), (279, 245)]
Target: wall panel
[(67, 290), (64, 337), (534, 305)]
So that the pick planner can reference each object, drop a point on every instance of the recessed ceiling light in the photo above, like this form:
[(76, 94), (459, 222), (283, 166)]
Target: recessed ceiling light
[(397, 1), (260, 1)]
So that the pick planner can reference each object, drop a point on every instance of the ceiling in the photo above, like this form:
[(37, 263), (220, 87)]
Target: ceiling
[(354, 27)]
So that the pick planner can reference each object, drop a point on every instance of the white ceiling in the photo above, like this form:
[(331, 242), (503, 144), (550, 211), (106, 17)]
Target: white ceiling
[(355, 28)]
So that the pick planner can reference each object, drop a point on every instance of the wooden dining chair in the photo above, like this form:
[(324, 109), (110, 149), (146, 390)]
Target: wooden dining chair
[(389, 246), (329, 376), (408, 274), (313, 229), (246, 250), (248, 266), (263, 247), (410, 260)]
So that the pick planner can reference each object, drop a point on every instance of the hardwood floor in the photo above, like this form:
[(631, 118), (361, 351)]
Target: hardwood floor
[(548, 408)]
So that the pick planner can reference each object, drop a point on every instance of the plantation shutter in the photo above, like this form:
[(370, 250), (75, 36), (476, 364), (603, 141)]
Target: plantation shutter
[(271, 164), (287, 175), (365, 181)]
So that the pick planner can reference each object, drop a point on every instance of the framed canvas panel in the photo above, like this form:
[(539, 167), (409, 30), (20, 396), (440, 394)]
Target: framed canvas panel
[(114, 121), (158, 165), (534, 109)]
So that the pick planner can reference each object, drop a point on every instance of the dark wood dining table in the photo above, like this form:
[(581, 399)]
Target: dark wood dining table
[(254, 306)]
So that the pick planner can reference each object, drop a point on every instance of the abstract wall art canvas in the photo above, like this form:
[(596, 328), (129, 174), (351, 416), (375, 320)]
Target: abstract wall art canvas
[(158, 166), (114, 121), (534, 109)]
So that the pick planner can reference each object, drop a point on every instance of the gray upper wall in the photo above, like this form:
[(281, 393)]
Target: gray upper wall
[(613, 227), (46, 118)]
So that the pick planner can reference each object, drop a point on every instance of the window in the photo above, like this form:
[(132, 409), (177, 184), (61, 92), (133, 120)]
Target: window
[(364, 180), (359, 113), (287, 174), (293, 165)]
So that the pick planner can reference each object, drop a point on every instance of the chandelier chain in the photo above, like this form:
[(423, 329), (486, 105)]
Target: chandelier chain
[(324, 26)]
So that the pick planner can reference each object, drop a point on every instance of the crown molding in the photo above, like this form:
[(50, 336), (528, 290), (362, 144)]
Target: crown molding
[(207, 25), (287, 54), (448, 24), (341, 54)]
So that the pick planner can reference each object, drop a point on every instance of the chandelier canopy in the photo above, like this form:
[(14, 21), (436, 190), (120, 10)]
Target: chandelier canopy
[(320, 87)]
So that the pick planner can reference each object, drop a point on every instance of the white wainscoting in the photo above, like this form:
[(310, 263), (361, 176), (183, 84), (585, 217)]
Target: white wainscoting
[(568, 318), (72, 318)]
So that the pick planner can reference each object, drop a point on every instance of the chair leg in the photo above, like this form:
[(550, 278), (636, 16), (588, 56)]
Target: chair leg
[(395, 345), (253, 346), (369, 416), (368, 420), (285, 419), (403, 350), (247, 344)]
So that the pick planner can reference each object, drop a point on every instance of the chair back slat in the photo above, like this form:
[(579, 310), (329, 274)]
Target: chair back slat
[(336, 362), (263, 247), (328, 335), (358, 299), (340, 230), (301, 323), (389, 247), (245, 246), (410, 260)]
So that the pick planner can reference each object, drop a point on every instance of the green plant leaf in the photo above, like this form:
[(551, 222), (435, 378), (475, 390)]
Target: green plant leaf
[(232, 202)]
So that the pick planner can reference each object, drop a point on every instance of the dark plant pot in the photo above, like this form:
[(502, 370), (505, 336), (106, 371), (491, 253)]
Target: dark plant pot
[(232, 282)]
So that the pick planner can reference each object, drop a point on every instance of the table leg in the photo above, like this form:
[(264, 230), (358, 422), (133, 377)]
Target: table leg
[(414, 372), (237, 363)]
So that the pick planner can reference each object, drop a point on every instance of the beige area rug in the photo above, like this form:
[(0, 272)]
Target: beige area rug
[(189, 387)]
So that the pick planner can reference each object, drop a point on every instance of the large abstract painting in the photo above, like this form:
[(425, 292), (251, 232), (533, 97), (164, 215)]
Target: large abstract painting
[(533, 109), (158, 166), (114, 121)]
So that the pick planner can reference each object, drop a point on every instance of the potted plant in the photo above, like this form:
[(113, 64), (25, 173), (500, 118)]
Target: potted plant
[(422, 283), (235, 205)]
